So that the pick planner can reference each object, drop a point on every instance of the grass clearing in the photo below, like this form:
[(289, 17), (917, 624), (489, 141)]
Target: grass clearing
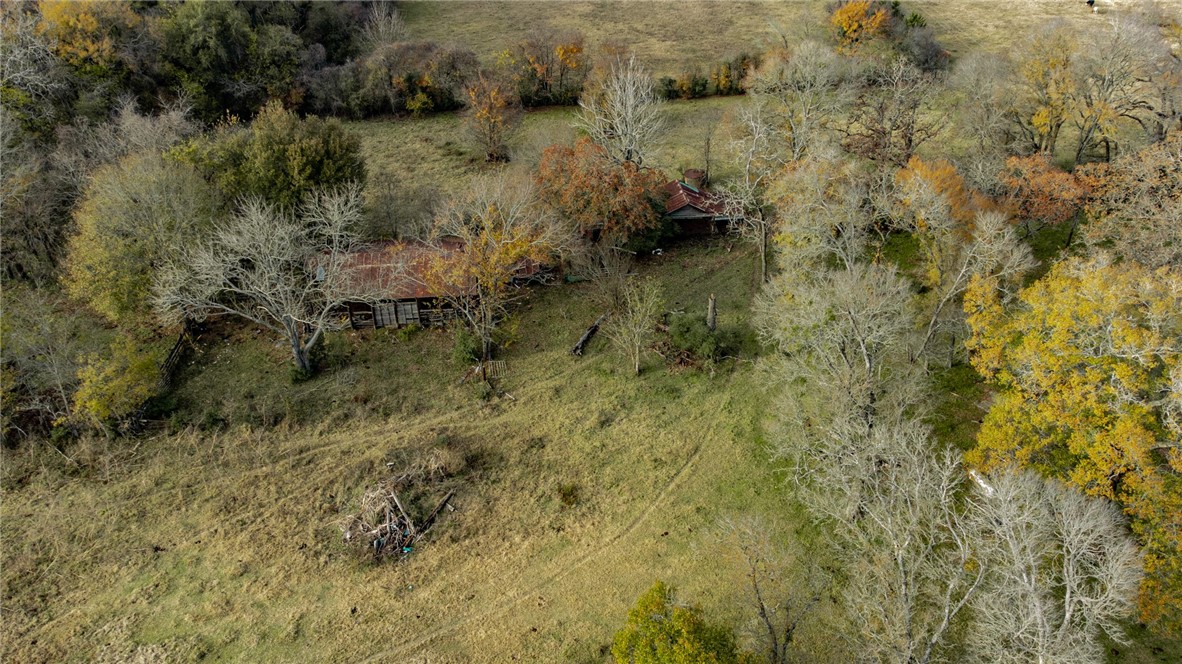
[(659, 32), (434, 152), (221, 545)]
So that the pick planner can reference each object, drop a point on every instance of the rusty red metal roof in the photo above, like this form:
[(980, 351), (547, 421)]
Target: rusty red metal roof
[(397, 270), (682, 195)]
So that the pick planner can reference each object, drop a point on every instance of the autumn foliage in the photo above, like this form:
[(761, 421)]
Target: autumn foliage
[(494, 113), (608, 200), (1135, 207), (88, 35), (547, 67), (857, 21), (1037, 190), (1088, 368), (943, 178)]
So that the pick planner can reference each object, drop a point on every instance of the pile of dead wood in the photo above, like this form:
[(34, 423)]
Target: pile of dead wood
[(384, 526)]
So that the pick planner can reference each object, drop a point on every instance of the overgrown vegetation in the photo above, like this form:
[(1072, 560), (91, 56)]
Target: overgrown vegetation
[(900, 213)]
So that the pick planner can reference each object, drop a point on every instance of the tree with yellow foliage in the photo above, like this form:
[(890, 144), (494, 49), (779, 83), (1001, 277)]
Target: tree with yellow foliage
[(857, 21), (1088, 366), (483, 237), (87, 34), (112, 386), (1046, 87), (494, 113)]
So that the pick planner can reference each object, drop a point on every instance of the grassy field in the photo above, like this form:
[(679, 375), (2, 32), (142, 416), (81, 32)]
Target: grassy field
[(435, 153), (221, 544), (669, 36)]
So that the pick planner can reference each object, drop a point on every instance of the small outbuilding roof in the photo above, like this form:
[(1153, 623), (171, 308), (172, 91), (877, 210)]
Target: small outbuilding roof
[(397, 270), (682, 195)]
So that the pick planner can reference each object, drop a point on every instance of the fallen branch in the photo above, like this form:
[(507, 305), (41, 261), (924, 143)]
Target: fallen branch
[(577, 351)]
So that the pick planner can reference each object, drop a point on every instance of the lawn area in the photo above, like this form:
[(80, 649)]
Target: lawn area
[(221, 545)]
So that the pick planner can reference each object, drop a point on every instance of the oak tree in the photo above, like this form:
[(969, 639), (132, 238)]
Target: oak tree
[(608, 201), (134, 215)]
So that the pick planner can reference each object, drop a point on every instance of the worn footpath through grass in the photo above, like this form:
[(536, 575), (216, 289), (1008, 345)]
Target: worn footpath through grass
[(576, 493)]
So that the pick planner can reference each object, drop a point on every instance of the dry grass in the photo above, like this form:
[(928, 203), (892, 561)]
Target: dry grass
[(434, 152), (669, 35), (222, 546)]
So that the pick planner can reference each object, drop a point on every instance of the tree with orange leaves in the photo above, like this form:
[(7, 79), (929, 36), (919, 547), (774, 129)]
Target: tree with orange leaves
[(857, 21), (610, 201), (548, 67), (1135, 208), (961, 238), (1038, 191)]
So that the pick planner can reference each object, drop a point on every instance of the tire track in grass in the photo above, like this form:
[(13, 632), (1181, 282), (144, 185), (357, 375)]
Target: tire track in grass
[(565, 568)]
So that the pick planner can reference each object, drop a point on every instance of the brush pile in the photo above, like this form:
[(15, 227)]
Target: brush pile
[(384, 525)]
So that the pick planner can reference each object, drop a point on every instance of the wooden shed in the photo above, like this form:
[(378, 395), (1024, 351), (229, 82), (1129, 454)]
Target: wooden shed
[(694, 210), (397, 270)]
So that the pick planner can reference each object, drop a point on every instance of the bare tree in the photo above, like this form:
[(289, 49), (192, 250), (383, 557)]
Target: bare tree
[(983, 86), (1136, 211), (782, 599), (484, 237), (992, 250), (804, 92), (1063, 571), (384, 25), (27, 61), (632, 328), (622, 113), (745, 200), (83, 146), (1113, 72), (913, 569), (285, 273), (844, 344), (893, 117), (608, 267), (43, 346)]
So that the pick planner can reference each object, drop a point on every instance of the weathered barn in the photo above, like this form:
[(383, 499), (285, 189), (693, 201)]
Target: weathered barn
[(398, 271), (694, 210)]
